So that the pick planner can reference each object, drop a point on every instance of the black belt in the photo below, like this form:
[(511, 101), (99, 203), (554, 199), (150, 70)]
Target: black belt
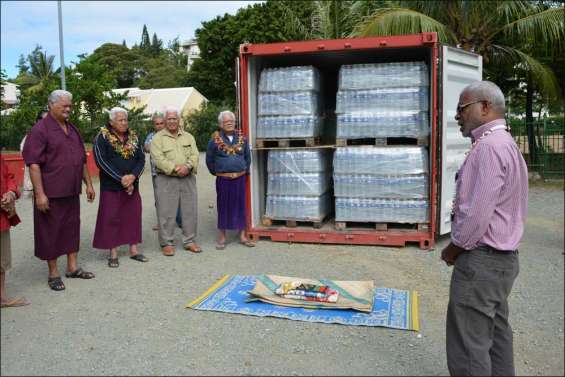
[(496, 251)]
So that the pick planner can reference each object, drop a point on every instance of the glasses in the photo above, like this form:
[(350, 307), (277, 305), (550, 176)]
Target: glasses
[(462, 107)]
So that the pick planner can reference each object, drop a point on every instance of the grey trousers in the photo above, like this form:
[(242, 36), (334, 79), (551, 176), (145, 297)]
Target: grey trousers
[(478, 335), (174, 193)]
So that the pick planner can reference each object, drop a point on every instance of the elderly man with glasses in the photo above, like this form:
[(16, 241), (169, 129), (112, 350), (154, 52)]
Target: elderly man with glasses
[(176, 157), (488, 219)]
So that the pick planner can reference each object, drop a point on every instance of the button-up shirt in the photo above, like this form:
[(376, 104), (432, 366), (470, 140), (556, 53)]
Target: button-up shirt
[(491, 192), (60, 156), (167, 151)]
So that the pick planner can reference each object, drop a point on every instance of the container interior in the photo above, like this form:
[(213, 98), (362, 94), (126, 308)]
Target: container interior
[(328, 63)]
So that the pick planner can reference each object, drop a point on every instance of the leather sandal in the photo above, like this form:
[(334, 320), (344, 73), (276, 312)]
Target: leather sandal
[(79, 273)]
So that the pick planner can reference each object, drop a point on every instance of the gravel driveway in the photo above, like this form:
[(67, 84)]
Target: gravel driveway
[(132, 321)]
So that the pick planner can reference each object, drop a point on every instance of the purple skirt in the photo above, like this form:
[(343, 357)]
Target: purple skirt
[(119, 220), (231, 200), (57, 231)]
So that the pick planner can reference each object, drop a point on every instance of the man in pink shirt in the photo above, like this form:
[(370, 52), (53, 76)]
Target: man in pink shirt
[(489, 213)]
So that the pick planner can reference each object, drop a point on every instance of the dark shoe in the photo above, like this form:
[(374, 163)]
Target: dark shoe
[(139, 258), (192, 247), (79, 273), (113, 262), (56, 283)]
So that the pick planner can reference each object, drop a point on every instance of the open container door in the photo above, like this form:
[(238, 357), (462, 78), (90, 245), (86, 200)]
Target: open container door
[(459, 68)]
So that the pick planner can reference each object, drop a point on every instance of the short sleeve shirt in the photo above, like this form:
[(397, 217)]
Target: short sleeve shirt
[(60, 156)]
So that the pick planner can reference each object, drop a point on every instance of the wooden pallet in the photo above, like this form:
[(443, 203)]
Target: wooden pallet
[(289, 142), (382, 227), (316, 224), (344, 142)]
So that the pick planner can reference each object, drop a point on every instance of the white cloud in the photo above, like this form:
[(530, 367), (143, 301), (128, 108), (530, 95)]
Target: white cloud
[(88, 24)]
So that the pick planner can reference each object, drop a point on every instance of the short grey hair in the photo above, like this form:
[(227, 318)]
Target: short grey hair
[(488, 91), (116, 110), (221, 116), (56, 95), (171, 109), (156, 115)]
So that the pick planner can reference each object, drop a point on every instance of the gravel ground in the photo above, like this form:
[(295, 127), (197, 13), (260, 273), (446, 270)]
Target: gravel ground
[(132, 321)]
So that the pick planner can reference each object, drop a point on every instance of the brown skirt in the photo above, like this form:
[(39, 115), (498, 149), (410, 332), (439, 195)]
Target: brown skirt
[(57, 231)]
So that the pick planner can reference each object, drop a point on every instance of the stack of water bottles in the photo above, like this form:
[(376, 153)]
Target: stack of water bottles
[(289, 102), (383, 100), (381, 184), (299, 184)]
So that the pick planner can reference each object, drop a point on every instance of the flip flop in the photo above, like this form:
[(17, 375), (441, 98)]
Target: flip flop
[(139, 258), (247, 243), (220, 246), (20, 301)]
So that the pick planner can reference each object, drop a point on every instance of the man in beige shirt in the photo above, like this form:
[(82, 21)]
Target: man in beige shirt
[(175, 156)]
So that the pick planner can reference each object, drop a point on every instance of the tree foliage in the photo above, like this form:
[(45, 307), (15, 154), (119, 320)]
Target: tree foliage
[(219, 39), (202, 123)]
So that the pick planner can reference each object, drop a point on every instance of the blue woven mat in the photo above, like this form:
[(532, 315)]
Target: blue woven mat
[(392, 308)]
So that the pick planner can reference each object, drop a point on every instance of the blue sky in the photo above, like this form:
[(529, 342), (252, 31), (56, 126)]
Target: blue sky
[(88, 24)]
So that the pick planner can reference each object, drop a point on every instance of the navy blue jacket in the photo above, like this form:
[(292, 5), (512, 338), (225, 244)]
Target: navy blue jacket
[(219, 161), (113, 166)]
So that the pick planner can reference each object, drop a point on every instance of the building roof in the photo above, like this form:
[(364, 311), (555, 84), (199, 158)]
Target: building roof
[(155, 100)]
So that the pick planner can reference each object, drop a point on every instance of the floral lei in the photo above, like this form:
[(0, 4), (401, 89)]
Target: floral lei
[(228, 148), (127, 149)]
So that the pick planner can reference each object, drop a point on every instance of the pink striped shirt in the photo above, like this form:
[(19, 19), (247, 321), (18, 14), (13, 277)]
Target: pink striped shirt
[(491, 192)]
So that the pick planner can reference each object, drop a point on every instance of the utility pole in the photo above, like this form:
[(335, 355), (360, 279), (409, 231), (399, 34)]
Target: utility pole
[(63, 86)]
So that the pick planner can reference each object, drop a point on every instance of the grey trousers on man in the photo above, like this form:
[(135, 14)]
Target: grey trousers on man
[(478, 335), (176, 193)]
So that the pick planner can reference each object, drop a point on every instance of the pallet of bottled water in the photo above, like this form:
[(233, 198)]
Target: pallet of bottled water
[(381, 210), (299, 184), (383, 75), (288, 126), (366, 124), (372, 186), (397, 160), (300, 208), (289, 79), (411, 98), (299, 161), (289, 103)]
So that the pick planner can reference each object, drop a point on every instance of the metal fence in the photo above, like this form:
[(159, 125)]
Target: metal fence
[(549, 135)]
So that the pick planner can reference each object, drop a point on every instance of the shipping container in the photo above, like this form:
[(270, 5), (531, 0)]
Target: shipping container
[(448, 70)]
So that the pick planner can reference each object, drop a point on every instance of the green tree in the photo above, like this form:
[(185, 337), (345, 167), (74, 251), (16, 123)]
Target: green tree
[(145, 42), (23, 67), (122, 62), (219, 39), (506, 33), (91, 85), (329, 19), (156, 45), (203, 122)]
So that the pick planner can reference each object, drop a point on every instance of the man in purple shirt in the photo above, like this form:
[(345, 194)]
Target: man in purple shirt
[(56, 157), (489, 213)]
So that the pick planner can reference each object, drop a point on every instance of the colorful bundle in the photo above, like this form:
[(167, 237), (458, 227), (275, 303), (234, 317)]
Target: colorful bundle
[(308, 292)]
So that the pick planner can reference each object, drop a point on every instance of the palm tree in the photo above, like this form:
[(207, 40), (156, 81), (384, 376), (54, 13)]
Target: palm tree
[(41, 67), (330, 19), (506, 33)]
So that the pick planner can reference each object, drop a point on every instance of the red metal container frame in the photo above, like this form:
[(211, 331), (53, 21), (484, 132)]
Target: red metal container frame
[(362, 237)]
